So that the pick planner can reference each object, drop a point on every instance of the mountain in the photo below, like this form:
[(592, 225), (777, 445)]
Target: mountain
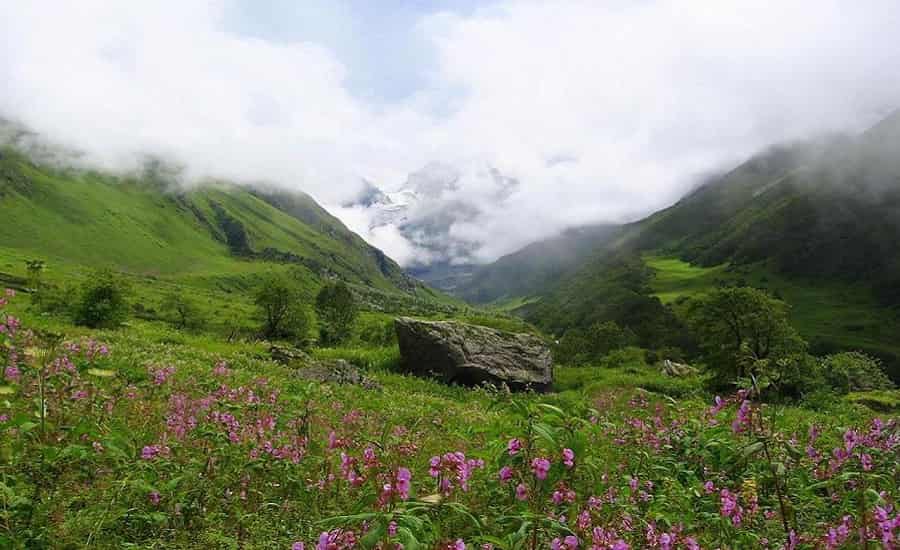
[(147, 225), (817, 223), (532, 269), (427, 209)]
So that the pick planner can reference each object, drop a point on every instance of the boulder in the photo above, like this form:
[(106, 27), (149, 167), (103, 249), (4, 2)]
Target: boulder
[(471, 355)]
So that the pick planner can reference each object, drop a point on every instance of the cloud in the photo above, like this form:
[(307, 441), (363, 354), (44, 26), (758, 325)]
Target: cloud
[(602, 111)]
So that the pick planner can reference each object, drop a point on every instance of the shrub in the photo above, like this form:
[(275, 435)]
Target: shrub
[(337, 310), (54, 299), (103, 302), (283, 314), (854, 371), (630, 357), (182, 311)]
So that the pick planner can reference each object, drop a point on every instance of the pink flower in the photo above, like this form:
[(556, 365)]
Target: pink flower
[(403, 482), (514, 446), (521, 492), (540, 467), (297, 546), (392, 529), (568, 543), (709, 487), (12, 373), (742, 420), (568, 457), (506, 473), (154, 498), (79, 395), (866, 460)]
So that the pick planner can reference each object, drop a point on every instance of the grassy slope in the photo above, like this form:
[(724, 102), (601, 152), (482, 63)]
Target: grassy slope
[(830, 314), (79, 219)]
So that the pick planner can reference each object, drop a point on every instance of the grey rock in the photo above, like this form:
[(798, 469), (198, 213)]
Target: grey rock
[(471, 355), (337, 372), (678, 370)]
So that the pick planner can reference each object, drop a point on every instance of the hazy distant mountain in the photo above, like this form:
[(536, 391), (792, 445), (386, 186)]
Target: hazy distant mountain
[(425, 209)]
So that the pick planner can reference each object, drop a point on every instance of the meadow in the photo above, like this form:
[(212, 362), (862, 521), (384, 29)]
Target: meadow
[(149, 437)]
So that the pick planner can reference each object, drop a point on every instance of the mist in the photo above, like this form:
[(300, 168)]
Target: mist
[(600, 111)]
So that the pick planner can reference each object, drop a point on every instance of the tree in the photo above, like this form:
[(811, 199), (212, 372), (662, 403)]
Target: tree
[(281, 309), (35, 269), (103, 302), (337, 311), (742, 327), (183, 311)]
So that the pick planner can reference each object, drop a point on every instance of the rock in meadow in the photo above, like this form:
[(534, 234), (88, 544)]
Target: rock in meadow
[(471, 355)]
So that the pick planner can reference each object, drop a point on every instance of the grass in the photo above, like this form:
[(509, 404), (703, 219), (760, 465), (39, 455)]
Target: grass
[(831, 315)]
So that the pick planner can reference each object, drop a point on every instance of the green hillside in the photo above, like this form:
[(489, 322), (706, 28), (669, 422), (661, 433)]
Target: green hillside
[(530, 270), (816, 223)]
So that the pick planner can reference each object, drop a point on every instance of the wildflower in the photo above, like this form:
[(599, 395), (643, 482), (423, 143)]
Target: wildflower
[(568, 457), (392, 529), (514, 446), (154, 498), (98, 447), (403, 482), (453, 468), (729, 507), (12, 373), (866, 460), (540, 467), (151, 452), (79, 395), (459, 545), (161, 375), (221, 369), (742, 420), (709, 487), (297, 546), (521, 492), (505, 474)]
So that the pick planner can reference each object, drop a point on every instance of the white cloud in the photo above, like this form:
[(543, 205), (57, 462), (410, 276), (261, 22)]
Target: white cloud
[(601, 110)]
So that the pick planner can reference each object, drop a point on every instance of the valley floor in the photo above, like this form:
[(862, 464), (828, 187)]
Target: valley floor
[(149, 437)]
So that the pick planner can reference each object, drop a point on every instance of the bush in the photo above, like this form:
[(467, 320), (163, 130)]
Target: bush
[(376, 332), (283, 314), (337, 311), (854, 371), (54, 299), (630, 358), (182, 311), (103, 302)]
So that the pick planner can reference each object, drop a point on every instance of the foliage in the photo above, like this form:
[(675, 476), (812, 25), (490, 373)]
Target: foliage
[(183, 311), (336, 309), (854, 371), (579, 346), (740, 328), (103, 302), (279, 304)]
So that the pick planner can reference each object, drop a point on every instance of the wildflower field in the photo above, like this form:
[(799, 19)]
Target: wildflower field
[(136, 439)]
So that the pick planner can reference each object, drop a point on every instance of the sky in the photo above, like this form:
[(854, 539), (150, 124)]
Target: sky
[(601, 110)]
